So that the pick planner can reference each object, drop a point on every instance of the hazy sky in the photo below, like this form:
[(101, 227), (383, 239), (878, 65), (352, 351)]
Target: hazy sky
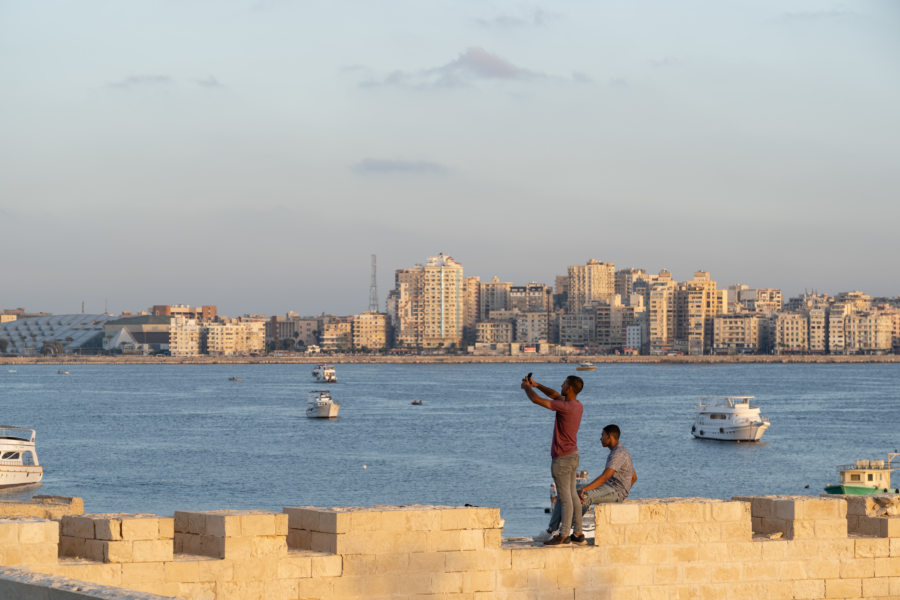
[(254, 154)]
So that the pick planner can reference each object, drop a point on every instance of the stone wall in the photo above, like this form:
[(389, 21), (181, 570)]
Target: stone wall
[(747, 547)]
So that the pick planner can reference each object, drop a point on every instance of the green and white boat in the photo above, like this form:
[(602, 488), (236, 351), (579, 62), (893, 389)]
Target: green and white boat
[(866, 477)]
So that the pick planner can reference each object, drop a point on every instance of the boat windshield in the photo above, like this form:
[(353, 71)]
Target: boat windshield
[(16, 433)]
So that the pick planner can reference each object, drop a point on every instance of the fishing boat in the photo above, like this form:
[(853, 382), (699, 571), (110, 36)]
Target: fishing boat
[(62, 372), (417, 402), (865, 477), (320, 405), (586, 366), (729, 418), (325, 374), (235, 379), (19, 463)]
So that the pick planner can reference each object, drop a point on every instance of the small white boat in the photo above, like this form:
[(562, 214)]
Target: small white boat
[(325, 374), (320, 405), (62, 372), (19, 463), (730, 418), (586, 366)]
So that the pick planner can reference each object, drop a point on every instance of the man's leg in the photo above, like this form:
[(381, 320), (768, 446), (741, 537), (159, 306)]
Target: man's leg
[(602, 495), (555, 516), (563, 470)]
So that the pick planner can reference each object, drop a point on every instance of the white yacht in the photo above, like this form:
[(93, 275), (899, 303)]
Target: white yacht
[(325, 374), (18, 459), (320, 405), (729, 418)]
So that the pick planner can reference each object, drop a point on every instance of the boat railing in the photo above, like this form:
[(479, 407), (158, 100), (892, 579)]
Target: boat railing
[(9, 432)]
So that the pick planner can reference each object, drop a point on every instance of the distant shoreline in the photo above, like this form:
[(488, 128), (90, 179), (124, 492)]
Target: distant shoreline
[(438, 359)]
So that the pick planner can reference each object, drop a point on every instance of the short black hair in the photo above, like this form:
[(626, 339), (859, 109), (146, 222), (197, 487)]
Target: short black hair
[(575, 383), (612, 431)]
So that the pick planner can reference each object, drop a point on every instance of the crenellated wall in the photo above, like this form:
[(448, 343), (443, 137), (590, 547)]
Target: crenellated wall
[(747, 547)]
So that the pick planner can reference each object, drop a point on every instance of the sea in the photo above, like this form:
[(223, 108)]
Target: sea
[(161, 438)]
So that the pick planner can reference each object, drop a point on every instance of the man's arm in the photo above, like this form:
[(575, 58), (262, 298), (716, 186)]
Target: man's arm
[(533, 396), (549, 392), (604, 477)]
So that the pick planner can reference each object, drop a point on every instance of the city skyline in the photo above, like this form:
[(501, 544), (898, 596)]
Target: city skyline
[(254, 154)]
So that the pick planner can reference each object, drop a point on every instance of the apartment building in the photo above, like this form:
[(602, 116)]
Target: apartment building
[(790, 333), (737, 334), (406, 306), (661, 316), (235, 337), (625, 280), (494, 295), (302, 331), (533, 327), (371, 331), (868, 333), (697, 303), (836, 331), (337, 334), (184, 337), (589, 283), (202, 313), (532, 297), (578, 329), (495, 332), (443, 303), (818, 331)]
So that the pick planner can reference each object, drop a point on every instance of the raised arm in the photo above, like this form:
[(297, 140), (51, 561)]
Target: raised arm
[(549, 392), (533, 395)]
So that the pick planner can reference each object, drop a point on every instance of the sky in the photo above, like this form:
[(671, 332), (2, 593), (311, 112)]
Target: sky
[(254, 154)]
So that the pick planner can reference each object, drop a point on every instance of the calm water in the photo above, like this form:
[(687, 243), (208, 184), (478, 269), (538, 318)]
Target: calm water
[(156, 438)]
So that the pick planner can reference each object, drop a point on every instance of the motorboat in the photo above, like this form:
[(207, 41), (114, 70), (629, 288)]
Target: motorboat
[(320, 405), (325, 374), (417, 402), (19, 463), (865, 477), (586, 366), (235, 379), (729, 418), (62, 372)]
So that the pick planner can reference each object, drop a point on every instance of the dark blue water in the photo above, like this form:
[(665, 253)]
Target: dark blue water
[(158, 438)]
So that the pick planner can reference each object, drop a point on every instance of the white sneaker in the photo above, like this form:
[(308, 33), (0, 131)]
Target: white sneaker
[(543, 536)]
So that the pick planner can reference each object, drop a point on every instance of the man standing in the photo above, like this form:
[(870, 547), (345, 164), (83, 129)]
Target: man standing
[(563, 449), (618, 476)]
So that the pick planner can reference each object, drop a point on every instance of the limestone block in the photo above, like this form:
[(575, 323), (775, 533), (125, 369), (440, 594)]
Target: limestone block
[(152, 550), (117, 552), (326, 566), (77, 526), (44, 507), (294, 565), (316, 588), (331, 521), (71, 546), (693, 512), (887, 567), (223, 523), (808, 589), (532, 558), (843, 588), (143, 573), (299, 539), (730, 511), (141, 527), (197, 569), (429, 562), (421, 519), (108, 528), (197, 591), (651, 513), (857, 568), (478, 581), (876, 587), (255, 569), (443, 541), (866, 547), (493, 538), (281, 590), (271, 545), (96, 572), (621, 513)]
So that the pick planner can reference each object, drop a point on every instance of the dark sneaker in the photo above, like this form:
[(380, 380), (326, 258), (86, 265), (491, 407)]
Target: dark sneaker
[(578, 539), (557, 539)]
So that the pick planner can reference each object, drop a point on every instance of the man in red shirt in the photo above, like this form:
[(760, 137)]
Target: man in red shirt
[(563, 449)]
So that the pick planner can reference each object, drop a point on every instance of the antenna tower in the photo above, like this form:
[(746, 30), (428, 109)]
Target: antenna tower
[(373, 290)]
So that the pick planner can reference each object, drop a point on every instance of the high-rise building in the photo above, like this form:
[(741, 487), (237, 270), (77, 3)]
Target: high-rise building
[(661, 314), (471, 307), (790, 333), (697, 303), (405, 303), (533, 297), (589, 283), (739, 333), (443, 303)]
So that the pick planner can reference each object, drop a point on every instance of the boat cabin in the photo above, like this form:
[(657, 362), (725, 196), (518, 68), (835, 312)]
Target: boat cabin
[(870, 473)]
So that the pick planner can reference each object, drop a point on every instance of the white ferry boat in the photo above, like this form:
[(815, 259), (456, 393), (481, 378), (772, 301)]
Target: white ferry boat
[(586, 366), (325, 374), (320, 405), (730, 418), (18, 459)]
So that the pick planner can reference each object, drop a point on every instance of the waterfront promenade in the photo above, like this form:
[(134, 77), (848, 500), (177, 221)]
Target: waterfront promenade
[(448, 359)]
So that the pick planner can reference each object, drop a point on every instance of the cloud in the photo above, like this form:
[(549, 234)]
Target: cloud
[(380, 166), (141, 80), (209, 83), (537, 18), (472, 65)]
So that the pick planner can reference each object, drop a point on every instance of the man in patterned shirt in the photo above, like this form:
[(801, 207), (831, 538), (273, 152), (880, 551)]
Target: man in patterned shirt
[(618, 476)]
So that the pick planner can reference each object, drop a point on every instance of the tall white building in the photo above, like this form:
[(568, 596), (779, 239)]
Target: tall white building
[(592, 282), (443, 303)]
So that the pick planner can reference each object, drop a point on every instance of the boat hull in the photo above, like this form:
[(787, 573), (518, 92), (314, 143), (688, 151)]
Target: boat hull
[(857, 490), (750, 432), (329, 411), (14, 476)]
